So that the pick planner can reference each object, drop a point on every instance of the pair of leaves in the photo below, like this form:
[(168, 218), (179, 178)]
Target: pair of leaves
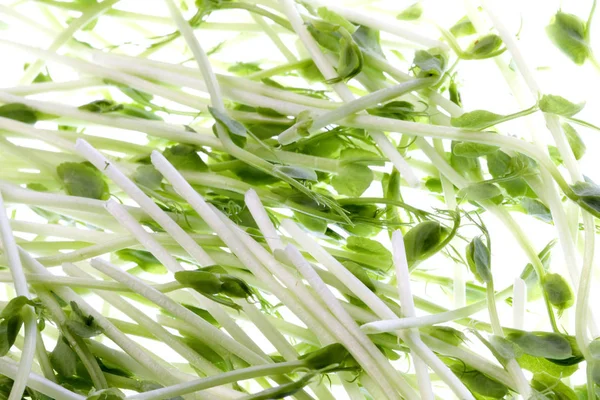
[(559, 291), (142, 259), (569, 33), (334, 354), (484, 47), (216, 284), (11, 322), (423, 240), (83, 180), (428, 64), (479, 260)]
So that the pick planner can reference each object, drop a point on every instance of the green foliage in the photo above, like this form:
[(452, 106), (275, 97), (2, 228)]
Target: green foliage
[(83, 180), (427, 64), (568, 33), (143, 259), (559, 292), (423, 240), (411, 13), (463, 27), (19, 112), (542, 344), (185, 158), (558, 105), (479, 260), (477, 120), (11, 320)]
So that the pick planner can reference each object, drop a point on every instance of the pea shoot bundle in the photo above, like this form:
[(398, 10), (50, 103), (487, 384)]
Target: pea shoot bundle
[(178, 225)]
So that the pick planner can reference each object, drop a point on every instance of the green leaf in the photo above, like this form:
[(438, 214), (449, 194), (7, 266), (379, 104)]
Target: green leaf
[(539, 364), (358, 271), (235, 287), (594, 348), (107, 394), (542, 344), (476, 120), (336, 19), (368, 246), (185, 158), (14, 306), (479, 260), (536, 209), (480, 192), (244, 68), (334, 353), (311, 223), (428, 64), (567, 32), (473, 150), (421, 240), (546, 383), (400, 109), (101, 106), (202, 281), (588, 193), (19, 112), (231, 124), (575, 141), (558, 105), (368, 40), (298, 172), (445, 333), (476, 381), (411, 13), (559, 291), (484, 47), (63, 358), (83, 180), (143, 259), (352, 180), (464, 27), (501, 165), (147, 176), (505, 348), (468, 167), (350, 62), (9, 329), (596, 372)]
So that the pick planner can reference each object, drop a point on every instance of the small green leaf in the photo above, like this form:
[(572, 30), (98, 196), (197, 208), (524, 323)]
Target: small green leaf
[(350, 62), (445, 333), (575, 141), (594, 348), (336, 19), (202, 281), (536, 209), (472, 150), (479, 260), (334, 353), (298, 172), (588, 193), (83, 180), (359, 272), (484, 47), (244, 68), (9, 329), (311, 223), (567, 32), (558, 105), (368, 40), (428, 64), (542, 344), (101, 106), (559, 291), (421, 240), (364, 245), (546, 383), (539, 364), (19, 112), (231, 124), (63, 358), (480, 192), (464, 27), (147, 176), (402, 110), (185, 158), (476, 381), (411, 13), (352, 180), (505, 348), (476, 120), (14, 306), (106, 394), (143, 259)]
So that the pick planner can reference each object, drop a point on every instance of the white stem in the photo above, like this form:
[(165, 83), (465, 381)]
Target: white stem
[(203, 328), (519, 303), (201, 58), (149, 324), (145, 202), (65, 36), (376, 305), (20, 282), (582, 309), (37, 382), (44, 87), (323, 64), (342, 315), (262, 220), (408, 309), (80, 65), (382, 23), (158, 251)]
